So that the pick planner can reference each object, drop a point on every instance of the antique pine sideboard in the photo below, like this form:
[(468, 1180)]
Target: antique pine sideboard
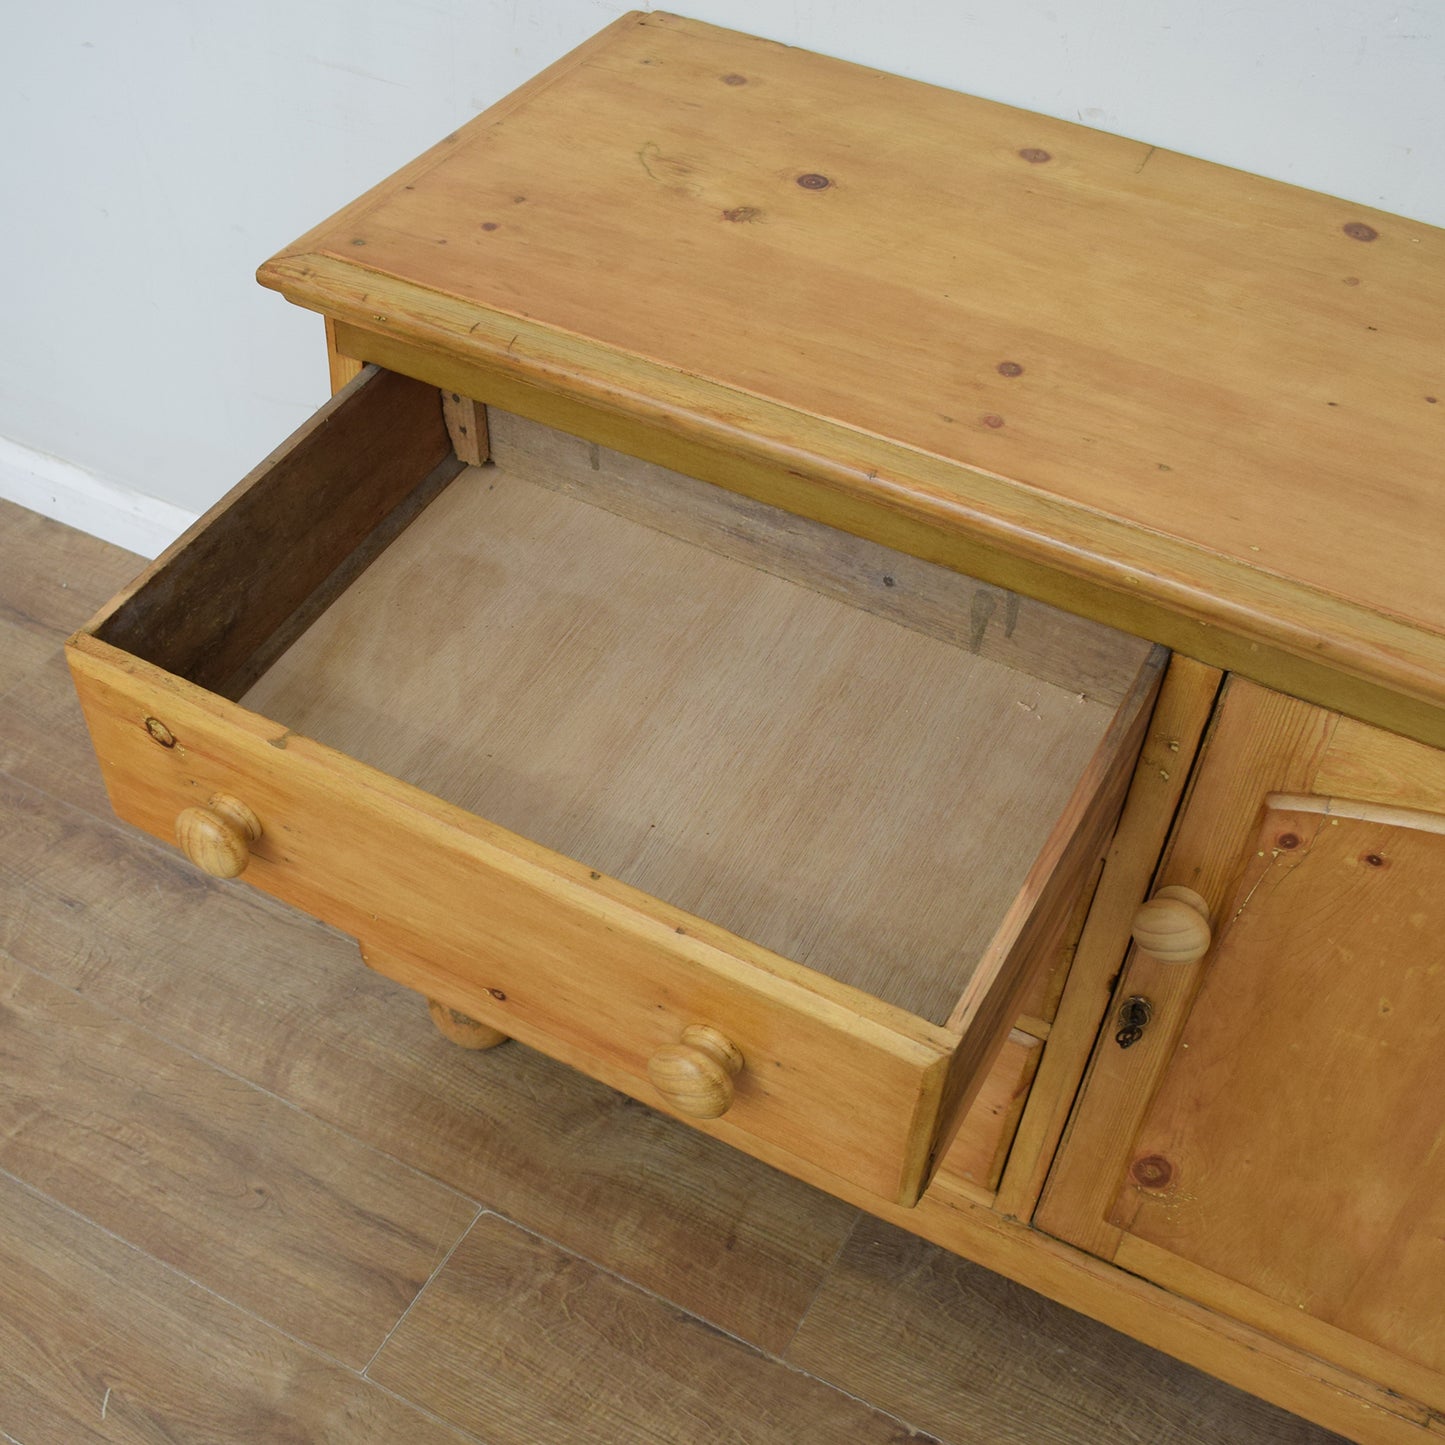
[(800, 566)]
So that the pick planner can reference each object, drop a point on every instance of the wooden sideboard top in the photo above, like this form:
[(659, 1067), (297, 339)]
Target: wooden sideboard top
[(1203, 406)]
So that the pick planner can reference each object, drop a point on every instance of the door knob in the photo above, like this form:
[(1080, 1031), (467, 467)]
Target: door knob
[(1173, 926)]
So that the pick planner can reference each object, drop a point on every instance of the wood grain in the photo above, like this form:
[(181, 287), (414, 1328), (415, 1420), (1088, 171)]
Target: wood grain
[(54, 577), (1143, 370), (102, 1345), (467, 427), (21, 652), (1335, 929), (1031, 637), (1371, 666), (274, 998), (588, 969), (736, 745), (1305, 911), (219, 603), (1260, 742), (271, 1210), (1038, 924), (986, 1134), (342, 370), (1186, 701), (43, 739), (929, 1336), (510, 1310)]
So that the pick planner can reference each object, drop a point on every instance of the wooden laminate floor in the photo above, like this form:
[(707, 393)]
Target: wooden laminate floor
[(248, 1194)]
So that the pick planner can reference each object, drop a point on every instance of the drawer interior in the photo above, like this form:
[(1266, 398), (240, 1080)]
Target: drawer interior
[(840, 753)]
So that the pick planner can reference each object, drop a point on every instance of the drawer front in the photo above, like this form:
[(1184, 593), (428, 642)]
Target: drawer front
[(576, 964)]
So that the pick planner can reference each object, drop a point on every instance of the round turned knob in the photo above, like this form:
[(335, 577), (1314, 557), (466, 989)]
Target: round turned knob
[(1173, 926), (696, 1075), (218, 837)]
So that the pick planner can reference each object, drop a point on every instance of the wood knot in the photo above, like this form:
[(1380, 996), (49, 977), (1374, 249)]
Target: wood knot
[(1153, 1171), (160, 732)]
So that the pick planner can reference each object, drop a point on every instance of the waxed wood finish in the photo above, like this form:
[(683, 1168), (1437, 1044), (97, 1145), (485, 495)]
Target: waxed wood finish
[(273, 1001), (997, 323), (1186, 702), (1040, 918), (796, 676), (746, 748), (1337, 927), (586, 968), (1283, 1092), (219, 603)]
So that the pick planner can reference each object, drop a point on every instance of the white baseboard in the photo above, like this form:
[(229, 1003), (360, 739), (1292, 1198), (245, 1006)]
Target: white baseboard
[(79, 498)]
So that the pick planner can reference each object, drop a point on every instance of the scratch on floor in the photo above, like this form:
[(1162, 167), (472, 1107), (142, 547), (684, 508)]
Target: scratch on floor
[(105, 1402), (1148, 156)]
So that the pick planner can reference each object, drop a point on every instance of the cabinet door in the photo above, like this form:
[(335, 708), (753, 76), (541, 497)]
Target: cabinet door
[(1273, 1145)]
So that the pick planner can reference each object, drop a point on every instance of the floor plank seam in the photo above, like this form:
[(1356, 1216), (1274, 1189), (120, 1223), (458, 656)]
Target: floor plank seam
[(922, 1436), (436, 1270), (230, 1073), (303, 1345), (466, 1437), (170, 1269), (822, 1280)]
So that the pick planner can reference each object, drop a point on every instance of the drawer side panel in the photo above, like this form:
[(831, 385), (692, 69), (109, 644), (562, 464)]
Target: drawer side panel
[(271, 554)]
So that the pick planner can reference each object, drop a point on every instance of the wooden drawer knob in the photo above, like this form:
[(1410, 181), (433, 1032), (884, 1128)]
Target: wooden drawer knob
[(218, 837), (696, 1075), (1173, 926)]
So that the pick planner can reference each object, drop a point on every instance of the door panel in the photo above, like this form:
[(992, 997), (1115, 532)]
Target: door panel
[(1304, 1103), (1273, 1146)]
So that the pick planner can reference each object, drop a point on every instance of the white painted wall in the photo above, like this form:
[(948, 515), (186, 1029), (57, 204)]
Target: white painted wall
[(155, 152)]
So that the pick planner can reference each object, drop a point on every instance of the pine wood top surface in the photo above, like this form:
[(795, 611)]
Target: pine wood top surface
[(1235, 388)]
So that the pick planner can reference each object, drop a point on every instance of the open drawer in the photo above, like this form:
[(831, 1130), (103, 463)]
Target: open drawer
[(597, 754)]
